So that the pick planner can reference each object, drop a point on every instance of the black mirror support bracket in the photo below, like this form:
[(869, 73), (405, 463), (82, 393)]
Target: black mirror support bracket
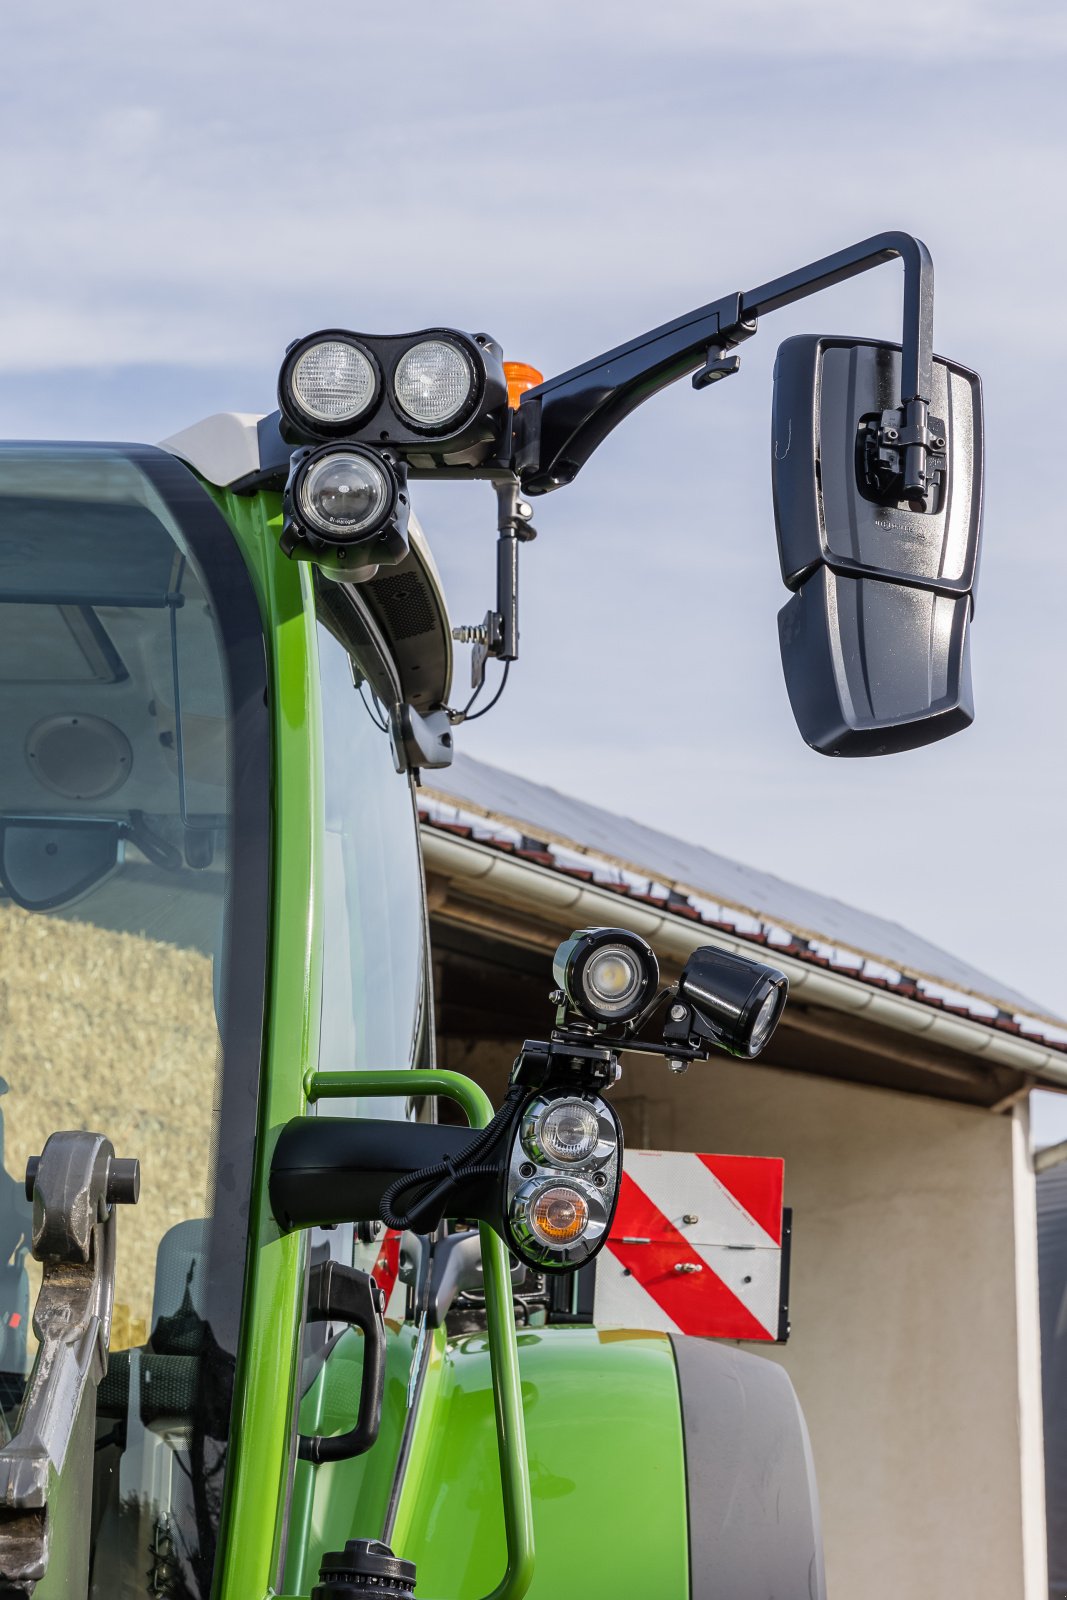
[(560, 423), (498, 635), (46, 1468)]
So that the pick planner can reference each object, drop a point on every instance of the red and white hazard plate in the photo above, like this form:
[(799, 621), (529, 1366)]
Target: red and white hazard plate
[(696, 1246)]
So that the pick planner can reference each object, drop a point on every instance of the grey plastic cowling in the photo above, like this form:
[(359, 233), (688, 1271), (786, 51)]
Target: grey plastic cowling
[(754, 1525)]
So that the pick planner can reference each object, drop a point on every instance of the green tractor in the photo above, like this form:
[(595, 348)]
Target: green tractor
[(341, 1343)]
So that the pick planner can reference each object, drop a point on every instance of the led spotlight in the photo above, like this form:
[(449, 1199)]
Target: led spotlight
[(329, 382), (434, 383), (346, 508), (608, 974), (728, 1001)]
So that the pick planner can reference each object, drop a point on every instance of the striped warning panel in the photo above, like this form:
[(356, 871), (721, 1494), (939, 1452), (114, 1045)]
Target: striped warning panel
[(696, 1246)]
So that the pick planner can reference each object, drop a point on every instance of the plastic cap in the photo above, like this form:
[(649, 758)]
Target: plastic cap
[(520, 377)]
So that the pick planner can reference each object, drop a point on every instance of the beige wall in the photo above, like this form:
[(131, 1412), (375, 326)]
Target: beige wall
[(906, 1349)]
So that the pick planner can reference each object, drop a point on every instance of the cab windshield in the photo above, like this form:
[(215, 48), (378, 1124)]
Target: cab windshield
[(133, 885)]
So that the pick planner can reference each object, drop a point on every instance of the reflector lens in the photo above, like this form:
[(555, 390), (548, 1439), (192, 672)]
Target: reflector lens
[(612, 978), (558, 1216), (568, 1131), (333, 381), (433, 382), (344, 495)]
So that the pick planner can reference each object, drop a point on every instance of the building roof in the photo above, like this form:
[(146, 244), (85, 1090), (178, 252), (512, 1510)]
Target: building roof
[(573, 837)]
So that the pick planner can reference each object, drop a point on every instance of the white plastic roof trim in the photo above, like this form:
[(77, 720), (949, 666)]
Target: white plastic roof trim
[(717, 885)]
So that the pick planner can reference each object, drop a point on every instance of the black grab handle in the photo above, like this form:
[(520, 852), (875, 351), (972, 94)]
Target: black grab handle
[(338, 1293)]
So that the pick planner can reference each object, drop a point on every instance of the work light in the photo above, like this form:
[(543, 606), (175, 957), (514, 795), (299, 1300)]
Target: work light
[(608, 974), (328, 383), (434, 383), (345, 506), (727, 1000)]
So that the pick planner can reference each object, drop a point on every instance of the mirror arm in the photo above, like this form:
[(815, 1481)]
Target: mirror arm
[(560, 423)]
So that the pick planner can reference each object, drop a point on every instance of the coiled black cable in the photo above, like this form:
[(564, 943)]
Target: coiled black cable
[(430, 1186)]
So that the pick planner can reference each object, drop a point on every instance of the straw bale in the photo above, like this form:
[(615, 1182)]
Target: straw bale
[(113, 1032)]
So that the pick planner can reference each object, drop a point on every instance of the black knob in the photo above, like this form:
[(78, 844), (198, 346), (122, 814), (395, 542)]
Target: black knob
[(124, 1181), (364, 1567)]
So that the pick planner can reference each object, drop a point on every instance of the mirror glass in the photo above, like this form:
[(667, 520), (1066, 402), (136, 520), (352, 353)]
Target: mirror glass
[(875, 639)]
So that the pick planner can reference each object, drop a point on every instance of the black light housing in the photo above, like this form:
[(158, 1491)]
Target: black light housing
[(607, 974), (346, 508), (469, 426), (728, 1001)]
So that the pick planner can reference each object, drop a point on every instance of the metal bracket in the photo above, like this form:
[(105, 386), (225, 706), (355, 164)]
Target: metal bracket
[(46, 1469), (498, 634), (888, 444)]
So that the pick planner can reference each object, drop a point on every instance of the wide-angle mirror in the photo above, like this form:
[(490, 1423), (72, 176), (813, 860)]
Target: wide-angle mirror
[(875, 639)]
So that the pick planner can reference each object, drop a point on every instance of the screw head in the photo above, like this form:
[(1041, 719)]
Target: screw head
[(678, 1013), (690, 1217), (527, 1169)]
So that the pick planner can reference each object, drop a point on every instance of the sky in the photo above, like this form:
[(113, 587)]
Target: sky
[(185, 189)]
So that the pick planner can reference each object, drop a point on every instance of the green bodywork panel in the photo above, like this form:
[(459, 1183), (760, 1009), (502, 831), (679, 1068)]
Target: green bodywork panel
[(257, 1478), (607, 1466)]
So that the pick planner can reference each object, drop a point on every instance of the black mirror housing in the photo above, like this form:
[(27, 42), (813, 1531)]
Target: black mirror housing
[(875, 642)]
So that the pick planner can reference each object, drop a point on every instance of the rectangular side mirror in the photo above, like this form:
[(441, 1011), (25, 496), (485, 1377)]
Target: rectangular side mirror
[(875, 641)]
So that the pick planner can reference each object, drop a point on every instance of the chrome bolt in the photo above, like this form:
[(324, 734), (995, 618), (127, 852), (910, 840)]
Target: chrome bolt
[(690, 1217), (678, 1013), (687, 1266)]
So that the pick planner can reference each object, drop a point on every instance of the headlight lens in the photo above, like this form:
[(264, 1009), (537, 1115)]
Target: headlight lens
[(558, 1215), (343, 495), (568, 1131), (763, 1026), (333, 381), (433, 382), (612, 978)]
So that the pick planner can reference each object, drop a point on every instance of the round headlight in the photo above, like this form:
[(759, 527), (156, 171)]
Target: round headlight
[(558, 1215), (332, 382), (433, 383), (569, 1130), (612, 979), (344, 495), (609, 974)]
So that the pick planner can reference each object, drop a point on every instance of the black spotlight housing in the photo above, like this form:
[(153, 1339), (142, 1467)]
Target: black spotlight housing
[(345, 508), (728, 1001), (609, 975), (374, 369)]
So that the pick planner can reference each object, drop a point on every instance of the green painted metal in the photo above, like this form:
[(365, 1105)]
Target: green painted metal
[(259, 1462), (518, 1552), (347, 1499), (607, 1468)]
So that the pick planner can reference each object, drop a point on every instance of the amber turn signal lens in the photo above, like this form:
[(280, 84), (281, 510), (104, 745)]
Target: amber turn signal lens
[(558, 1215), (520, 378)]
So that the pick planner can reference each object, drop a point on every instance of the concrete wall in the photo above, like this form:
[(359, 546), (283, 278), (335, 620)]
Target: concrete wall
[(914, 1348)]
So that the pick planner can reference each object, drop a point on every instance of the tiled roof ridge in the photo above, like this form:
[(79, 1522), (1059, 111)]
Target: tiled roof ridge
[(921, 990)]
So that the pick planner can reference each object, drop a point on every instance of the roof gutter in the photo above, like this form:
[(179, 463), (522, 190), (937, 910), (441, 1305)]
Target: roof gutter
[(486, 874)]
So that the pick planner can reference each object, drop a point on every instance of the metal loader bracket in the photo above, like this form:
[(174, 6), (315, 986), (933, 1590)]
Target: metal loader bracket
[(47, 1466)]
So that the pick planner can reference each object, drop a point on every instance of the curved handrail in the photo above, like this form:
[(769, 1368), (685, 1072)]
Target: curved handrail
[(499, 1305)]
